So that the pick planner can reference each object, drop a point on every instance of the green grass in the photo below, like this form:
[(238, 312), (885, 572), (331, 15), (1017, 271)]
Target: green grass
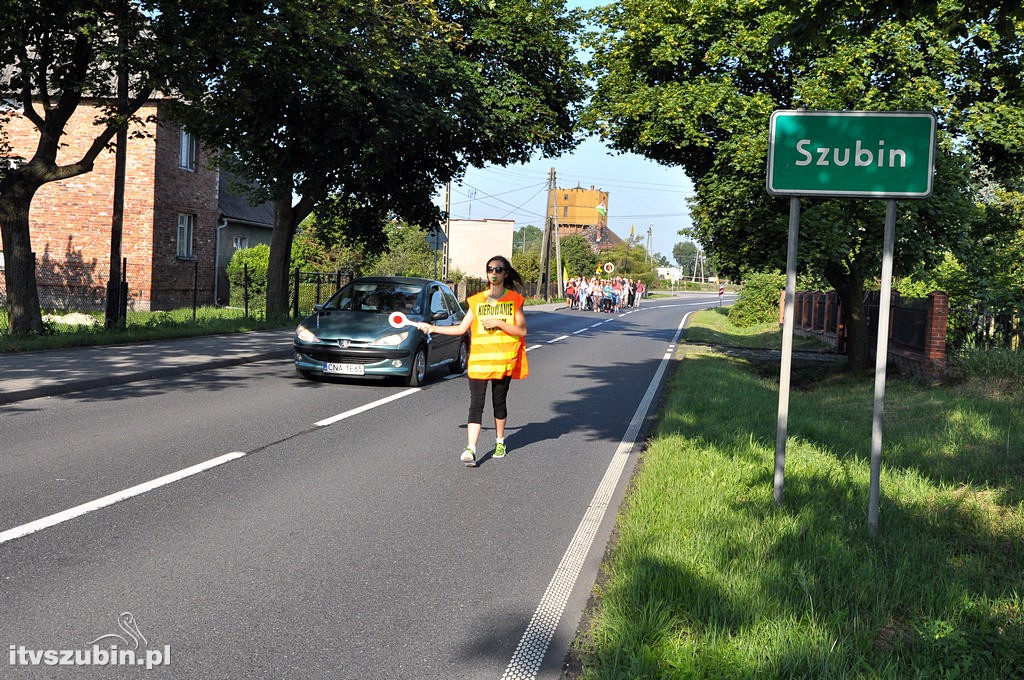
[(709, 578), (141, 327), (713, 327)]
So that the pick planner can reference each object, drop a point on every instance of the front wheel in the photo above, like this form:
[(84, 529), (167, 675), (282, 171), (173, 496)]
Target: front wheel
[(461, 359), (418, 372)]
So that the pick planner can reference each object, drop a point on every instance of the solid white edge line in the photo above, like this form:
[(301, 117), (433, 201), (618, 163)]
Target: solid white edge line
[(84, 508), (366, 407), (533, 645)]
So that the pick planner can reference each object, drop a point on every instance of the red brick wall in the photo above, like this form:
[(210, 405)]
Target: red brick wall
[(70, 220)]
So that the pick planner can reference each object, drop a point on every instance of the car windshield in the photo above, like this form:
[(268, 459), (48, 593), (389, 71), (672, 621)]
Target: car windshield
[(377, 297)]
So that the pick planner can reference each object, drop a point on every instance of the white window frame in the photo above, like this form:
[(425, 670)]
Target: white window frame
[(187, 151), (240, 242), (186, 235)]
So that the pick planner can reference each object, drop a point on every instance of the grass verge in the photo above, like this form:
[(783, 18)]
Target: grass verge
[(712, 327), (709, 578), (142, 327)]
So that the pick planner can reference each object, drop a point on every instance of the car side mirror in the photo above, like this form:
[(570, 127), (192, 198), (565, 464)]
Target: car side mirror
[(439, 316)]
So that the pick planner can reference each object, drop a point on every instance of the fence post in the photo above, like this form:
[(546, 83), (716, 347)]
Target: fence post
[(295, 296), (935, 327), (122, 295), (245, 289)]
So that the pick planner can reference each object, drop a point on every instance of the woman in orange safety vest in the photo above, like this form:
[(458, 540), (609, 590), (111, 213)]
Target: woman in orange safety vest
[(497, 350)]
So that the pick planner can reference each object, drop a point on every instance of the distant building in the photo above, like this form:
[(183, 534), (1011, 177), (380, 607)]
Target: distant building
[(471, 242), (584, 212), (671, 274)]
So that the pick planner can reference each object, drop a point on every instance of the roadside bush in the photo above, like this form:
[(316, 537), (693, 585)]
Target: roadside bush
[(256, 260), (758, 301)]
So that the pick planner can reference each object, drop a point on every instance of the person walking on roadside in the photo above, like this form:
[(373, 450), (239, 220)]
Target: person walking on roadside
[(497, 351)]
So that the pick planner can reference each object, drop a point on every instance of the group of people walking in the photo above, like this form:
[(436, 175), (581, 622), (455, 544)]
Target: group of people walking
[(604, 295)]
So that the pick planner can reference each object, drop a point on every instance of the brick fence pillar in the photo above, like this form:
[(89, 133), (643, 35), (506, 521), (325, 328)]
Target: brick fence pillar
[(782, 307), (936, 324)]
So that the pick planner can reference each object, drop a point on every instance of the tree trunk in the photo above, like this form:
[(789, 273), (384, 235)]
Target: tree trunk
[(851, 297), (280, 259), (22, 303)]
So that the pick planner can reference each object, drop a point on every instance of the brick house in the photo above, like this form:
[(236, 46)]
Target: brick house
[(173, 217)]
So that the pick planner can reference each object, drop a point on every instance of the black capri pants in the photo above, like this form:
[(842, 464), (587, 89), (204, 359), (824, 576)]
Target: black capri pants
[(478, 394)]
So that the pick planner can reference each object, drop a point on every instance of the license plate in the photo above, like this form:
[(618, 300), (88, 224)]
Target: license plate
[(343, 369)]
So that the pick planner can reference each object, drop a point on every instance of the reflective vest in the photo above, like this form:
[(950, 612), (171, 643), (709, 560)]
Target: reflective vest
[(495, 354)]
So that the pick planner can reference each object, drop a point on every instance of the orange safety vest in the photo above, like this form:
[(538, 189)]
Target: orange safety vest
[(495, 354)]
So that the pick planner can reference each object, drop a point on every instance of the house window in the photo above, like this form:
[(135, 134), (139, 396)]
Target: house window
[(239, 242), (186, 231), (187, 155), (565, 211)]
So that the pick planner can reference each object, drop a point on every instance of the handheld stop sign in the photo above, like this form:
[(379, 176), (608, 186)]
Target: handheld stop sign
[(398, 320)]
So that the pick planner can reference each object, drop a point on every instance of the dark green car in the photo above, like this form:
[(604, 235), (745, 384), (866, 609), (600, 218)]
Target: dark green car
[(351, 336)]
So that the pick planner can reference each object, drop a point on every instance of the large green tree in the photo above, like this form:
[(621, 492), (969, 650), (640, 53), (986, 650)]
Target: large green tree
[(374, 105), (53, 55), (693, 83)]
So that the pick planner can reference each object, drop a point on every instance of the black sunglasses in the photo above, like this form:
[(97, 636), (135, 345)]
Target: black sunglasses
[(496, 270)]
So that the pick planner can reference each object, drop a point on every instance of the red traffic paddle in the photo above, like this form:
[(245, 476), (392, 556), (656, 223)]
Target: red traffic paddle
[(397, 319)]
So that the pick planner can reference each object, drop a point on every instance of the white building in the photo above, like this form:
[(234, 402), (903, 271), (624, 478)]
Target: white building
[(671, 274), (472, 242)]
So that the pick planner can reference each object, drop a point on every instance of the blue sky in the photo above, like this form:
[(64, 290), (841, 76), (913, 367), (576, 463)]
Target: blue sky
[(642, 194)]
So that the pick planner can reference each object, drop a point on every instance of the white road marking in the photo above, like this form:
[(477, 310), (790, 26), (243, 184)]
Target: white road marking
[(560, 337), (85, 508), (366, 407), (533, 645)]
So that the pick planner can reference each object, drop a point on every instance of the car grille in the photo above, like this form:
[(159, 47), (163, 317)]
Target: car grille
[(351, 355)]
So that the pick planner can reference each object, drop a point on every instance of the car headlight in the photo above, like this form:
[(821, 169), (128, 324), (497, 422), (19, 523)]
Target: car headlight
[(392, 340), (305, 335)]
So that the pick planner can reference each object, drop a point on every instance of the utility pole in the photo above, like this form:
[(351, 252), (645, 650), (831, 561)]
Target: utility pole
[(447, 229), (558, 241), (114, 314), (650, 255), (545, 241)]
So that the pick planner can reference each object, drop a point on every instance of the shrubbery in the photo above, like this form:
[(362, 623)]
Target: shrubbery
[(758, 301), (255, 260)]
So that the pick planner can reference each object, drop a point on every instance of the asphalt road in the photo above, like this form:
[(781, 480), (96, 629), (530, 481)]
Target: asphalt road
[(335, 533)]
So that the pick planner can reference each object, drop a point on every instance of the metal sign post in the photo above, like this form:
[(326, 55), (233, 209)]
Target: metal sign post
[(846, 154), (881, 359), (786, 367)]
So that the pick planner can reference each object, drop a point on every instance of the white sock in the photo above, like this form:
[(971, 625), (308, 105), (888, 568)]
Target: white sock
[(499, 440), (471, 447)]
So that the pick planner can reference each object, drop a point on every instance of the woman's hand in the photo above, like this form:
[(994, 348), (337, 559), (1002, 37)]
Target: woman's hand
[(491, 323), (424, 326)]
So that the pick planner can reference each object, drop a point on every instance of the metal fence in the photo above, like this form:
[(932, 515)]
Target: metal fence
[(907, 325), (976, 326), (73, 294)]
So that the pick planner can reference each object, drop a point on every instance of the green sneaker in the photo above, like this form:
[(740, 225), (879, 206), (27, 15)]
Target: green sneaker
[(468, 457), (499, 451)]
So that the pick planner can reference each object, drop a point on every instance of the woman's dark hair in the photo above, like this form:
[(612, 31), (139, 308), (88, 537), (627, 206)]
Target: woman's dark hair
[(511, 275)]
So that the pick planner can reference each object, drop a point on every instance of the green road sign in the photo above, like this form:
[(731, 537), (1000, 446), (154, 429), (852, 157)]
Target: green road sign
[(858, 154)]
